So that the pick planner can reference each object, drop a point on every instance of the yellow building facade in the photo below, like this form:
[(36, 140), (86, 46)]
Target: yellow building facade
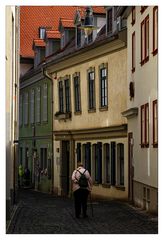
[(92, 130)]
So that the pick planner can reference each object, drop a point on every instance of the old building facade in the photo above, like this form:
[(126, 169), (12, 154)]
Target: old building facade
[(142, 105), (12, 101), (89, 96)]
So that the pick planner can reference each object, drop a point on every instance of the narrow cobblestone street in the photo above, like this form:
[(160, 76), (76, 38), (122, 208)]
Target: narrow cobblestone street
[(41, 213)]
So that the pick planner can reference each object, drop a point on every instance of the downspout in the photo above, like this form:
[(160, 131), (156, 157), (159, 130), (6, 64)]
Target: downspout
[(47, 75)]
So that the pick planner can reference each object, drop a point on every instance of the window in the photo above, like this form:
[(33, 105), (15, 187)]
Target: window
[(78, 151), (26, 108), (21, 110), (107, 163), (91, 89), (77, 92), (133, 15), (78, 36), (145, 125), (113, 163), (67, 95), (43, 158), (26, 157), (32, 107), (120, 164), (21, 155), (98, 162), (87, 156), (61, 100), (110, 20), (155, 124), (38, 110), (45, 103), (42, 32), (103, 87), (145, 40), (133, 52), (155, 30)]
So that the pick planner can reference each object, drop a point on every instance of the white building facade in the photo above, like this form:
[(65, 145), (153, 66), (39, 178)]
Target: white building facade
[(141, 113)]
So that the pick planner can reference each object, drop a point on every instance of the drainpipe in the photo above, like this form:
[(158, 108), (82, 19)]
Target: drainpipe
[(47, 75)]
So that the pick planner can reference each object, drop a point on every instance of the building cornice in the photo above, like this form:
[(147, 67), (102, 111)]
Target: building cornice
[(92, 133), (101, 48)]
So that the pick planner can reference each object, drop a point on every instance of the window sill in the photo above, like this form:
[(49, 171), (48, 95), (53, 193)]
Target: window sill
[(155, 145), (105, 108), (144, 61), (155, 51), (91, 110), (62, 116), (144, 145), (78, 113), (119, 187)]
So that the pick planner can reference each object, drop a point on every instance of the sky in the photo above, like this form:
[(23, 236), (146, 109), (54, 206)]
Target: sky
[(3, 127)]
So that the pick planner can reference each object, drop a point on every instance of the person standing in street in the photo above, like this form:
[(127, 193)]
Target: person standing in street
[(21, 175), (82, 185)]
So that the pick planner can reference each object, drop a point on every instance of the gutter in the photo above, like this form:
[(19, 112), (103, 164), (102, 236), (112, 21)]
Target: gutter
[(47, 75)]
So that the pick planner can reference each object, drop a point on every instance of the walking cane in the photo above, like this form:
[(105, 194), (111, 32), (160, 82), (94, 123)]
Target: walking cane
[(91, 204)]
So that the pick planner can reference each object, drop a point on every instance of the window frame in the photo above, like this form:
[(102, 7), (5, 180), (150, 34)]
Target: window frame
[(26, 108), (38, 105), (155, 123), (45, 102), (110, 21), (77, 93), (103, 91), (133, 52), (91, 90), (145, 125), (67, 95), (32, 106), (155, 30), (61, 96), (145, 40), (107, 161)]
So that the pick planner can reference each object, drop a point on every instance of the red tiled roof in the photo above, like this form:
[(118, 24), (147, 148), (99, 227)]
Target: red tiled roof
[(67, 23), (53, 34), (39, 43), (33, 17)]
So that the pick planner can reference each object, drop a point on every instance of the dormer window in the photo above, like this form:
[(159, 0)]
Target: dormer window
[(78, 36), (110, 20), (66, 28), (42, 32), (39, 49)]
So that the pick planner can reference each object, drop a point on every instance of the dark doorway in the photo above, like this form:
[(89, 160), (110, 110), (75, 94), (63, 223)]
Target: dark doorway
[(65, 167)]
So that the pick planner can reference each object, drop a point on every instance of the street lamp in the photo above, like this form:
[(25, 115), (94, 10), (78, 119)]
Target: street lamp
[(88, 26)]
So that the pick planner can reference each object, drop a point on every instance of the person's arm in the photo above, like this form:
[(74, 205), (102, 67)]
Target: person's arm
[(74, 177)]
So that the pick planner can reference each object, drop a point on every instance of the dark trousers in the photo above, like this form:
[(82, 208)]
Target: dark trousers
[(80, 198)]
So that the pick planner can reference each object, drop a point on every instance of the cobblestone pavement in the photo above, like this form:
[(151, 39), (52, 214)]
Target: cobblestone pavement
[(40, 213)]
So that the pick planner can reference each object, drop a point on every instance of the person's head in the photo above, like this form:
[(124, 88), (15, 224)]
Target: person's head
[(79, 164)]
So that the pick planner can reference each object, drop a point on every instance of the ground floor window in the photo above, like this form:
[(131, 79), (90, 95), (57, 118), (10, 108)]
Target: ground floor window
[(120, 164), (43, 158), (105, 161)]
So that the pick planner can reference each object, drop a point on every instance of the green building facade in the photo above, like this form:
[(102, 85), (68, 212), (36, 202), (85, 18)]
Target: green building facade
[(35, 129)]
